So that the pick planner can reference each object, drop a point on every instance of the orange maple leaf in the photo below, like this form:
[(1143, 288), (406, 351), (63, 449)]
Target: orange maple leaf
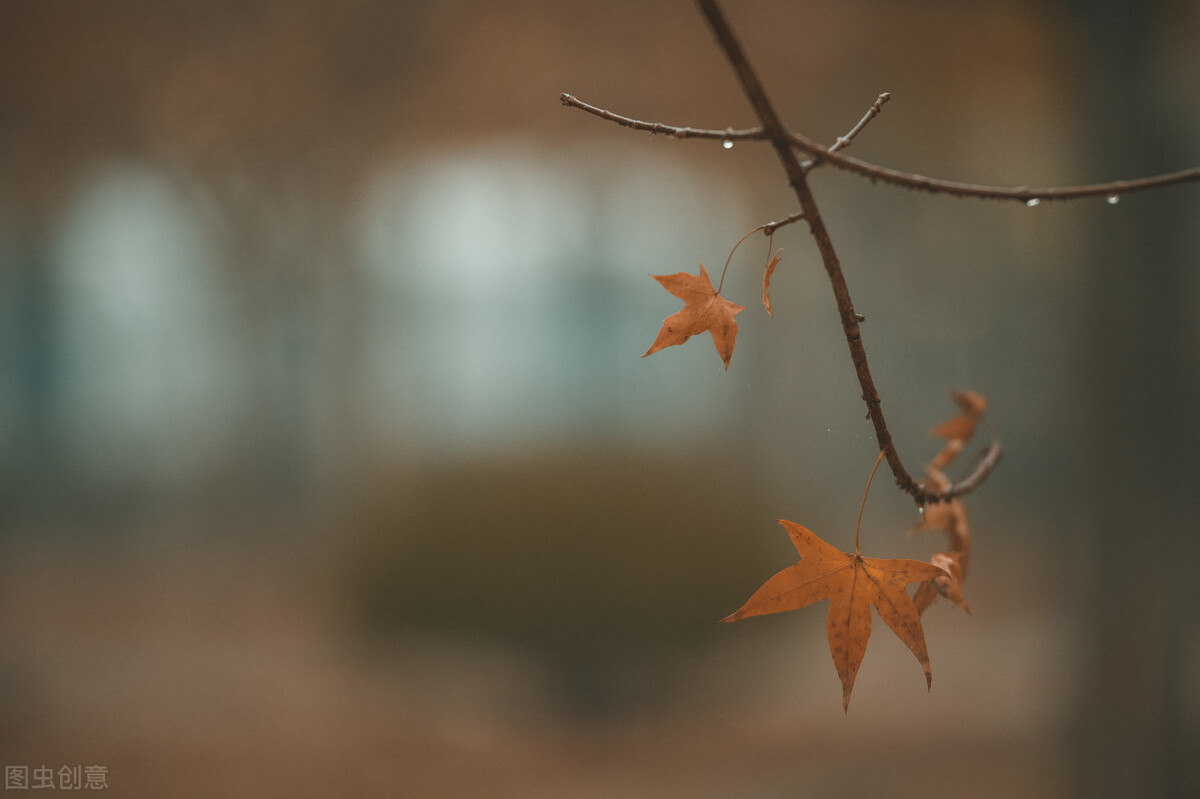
[(704, 309), (852, 583)]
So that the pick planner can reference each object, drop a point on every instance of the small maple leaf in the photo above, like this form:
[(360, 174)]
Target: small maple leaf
[(704, 309), (770, 270), (853, 584)]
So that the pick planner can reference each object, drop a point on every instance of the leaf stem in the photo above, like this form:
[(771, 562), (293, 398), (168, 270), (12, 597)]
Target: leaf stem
[(721, 282), (863, 504)]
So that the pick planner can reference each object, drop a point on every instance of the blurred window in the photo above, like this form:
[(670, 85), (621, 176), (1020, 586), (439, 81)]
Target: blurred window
[(509, 295), (146, 373)]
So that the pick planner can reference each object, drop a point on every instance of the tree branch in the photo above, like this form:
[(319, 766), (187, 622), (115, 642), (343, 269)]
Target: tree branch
[(987, 461), (894, 177), (1024, 194), (770, 228), (780, 139), (729, 134)]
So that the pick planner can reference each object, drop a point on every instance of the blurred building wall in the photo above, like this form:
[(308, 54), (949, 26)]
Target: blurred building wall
[(259, 253)]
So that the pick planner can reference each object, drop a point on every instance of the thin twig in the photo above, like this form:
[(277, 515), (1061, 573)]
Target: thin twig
[(988, 460), (771, 227), (829, 155), (729, 134), (844, 141), (872, 112), (1024, 194)]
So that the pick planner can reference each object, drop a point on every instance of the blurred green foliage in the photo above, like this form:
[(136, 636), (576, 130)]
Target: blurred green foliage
[(608, 567)]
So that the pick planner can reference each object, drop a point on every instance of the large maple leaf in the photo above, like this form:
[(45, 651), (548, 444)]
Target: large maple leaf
[(853, 584), (704, 309)]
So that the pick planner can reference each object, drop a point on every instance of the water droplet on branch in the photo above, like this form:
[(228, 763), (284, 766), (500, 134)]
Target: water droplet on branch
[(1033, 202), (727, 144), (1112, 199)]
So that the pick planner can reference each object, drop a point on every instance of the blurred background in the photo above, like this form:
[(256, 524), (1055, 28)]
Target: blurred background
[(330, 466)]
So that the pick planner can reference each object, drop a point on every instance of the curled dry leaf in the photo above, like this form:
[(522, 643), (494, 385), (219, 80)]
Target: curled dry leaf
[(940, 516), (853, 584), (774, 262), (949, 584), (704, 309), (971, 406), (925, 594), (950, 517), (948, 453)]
